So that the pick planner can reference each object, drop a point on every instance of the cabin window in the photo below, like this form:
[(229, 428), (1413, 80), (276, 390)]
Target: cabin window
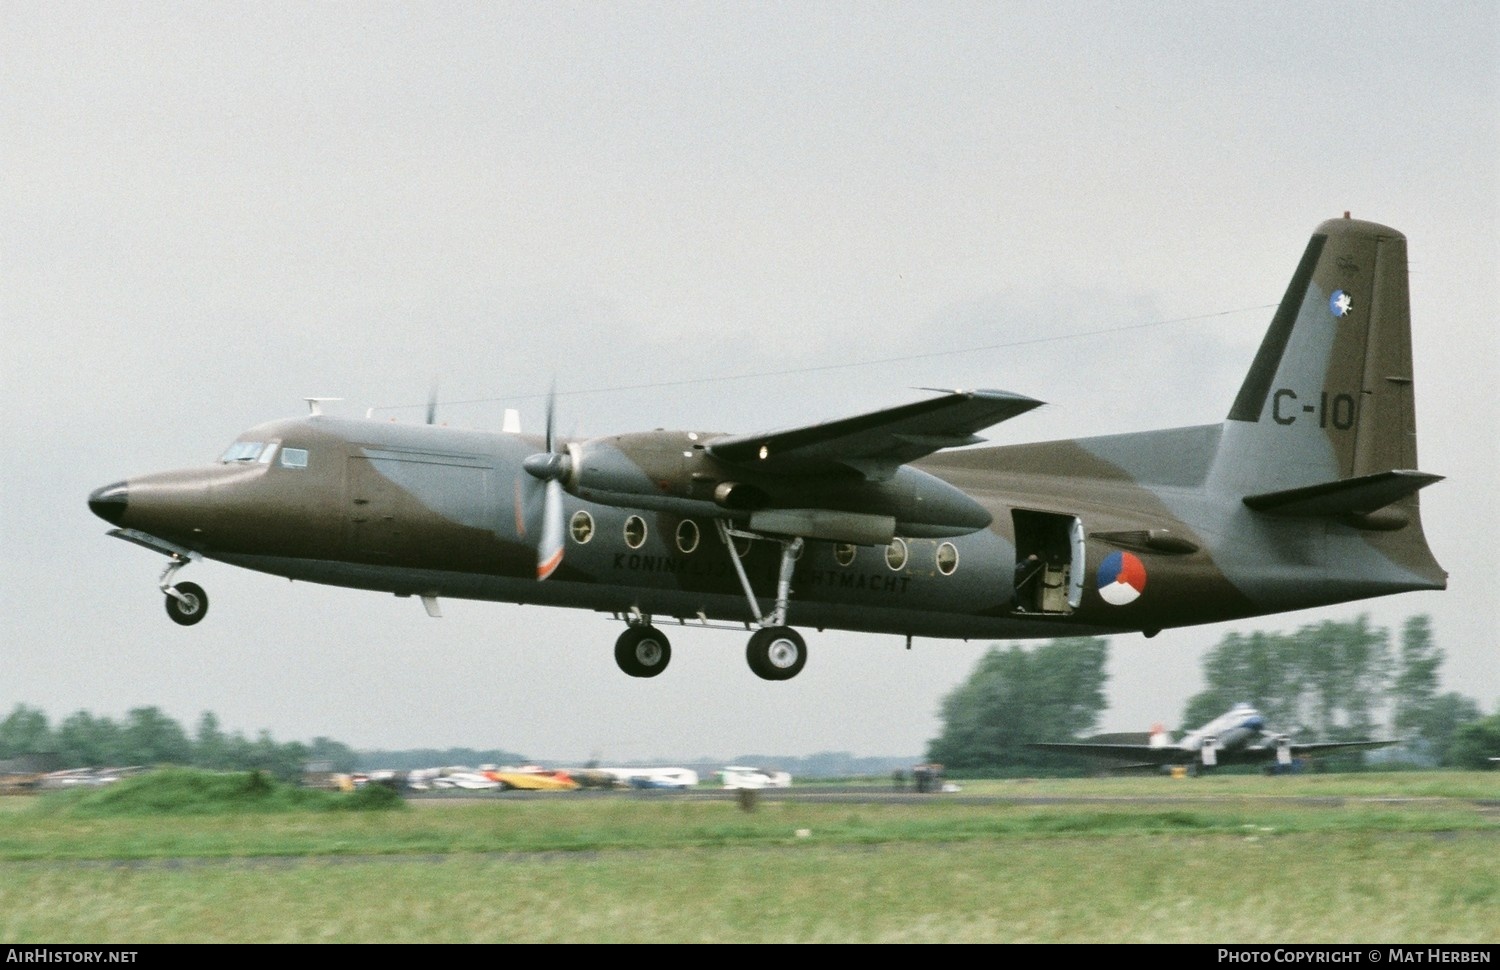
[(635, 532), (947, 558), (243, 451), (294, 458), (843, 553), (895, 554), (687, 535), (581, 526)]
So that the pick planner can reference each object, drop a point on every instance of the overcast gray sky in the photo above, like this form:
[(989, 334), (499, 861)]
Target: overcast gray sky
[(213, 210)]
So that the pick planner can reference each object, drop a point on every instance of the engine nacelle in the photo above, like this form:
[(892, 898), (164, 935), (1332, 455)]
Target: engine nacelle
[(739, 497)]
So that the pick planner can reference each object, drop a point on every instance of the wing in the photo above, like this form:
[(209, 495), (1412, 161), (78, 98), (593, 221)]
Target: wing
[(1313, 748), (874, 444), (1141, 754)]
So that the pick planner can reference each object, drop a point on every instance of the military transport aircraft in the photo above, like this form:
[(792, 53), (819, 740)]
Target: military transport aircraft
[(1238, 737), (1305, 496)]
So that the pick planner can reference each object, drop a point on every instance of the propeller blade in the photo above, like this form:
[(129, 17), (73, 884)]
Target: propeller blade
[(553, 464), (548, 468), (432, 404), (551, 411), (549, 552), (520, 507)]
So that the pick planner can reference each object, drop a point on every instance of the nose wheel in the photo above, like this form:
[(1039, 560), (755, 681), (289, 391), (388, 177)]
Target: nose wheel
[(186, 603)]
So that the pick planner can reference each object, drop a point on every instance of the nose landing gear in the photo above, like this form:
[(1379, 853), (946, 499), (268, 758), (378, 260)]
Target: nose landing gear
[(186, 603)]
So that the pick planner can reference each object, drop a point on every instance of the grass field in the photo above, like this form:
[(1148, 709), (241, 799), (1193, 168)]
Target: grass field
[(1409, 858)]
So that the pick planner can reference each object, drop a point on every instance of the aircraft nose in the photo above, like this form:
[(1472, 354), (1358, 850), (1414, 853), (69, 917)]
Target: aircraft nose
[(109, 502)]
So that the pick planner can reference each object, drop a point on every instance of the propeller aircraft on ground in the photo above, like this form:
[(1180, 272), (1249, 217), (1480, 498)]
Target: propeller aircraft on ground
[(1306, 495), (1238, 737)]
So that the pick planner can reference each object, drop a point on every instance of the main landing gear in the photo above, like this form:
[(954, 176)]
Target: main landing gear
[(775, 651), (642, 651), (186, 602)]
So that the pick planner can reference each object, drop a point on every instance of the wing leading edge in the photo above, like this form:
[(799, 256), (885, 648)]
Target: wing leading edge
[(1141, 755), (1314, 748), (877, 443)]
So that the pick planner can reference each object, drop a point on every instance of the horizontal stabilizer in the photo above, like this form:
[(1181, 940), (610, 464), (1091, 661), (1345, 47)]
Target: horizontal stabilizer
[(874, 444), (1350, 496)]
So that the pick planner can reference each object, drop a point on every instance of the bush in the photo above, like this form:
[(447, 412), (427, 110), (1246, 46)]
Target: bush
[(189, 791)]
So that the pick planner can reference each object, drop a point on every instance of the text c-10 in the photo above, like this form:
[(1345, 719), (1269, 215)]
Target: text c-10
[(1336, 410)]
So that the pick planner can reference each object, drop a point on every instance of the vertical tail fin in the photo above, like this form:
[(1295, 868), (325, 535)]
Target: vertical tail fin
[(1323, 431), (1329, 396)]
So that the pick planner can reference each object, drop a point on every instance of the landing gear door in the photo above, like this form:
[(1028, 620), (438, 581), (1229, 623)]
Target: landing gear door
[(1075, 574)]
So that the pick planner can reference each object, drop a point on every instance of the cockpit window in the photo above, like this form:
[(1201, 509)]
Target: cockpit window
[(270, 453), (246, 451), (294, 458)]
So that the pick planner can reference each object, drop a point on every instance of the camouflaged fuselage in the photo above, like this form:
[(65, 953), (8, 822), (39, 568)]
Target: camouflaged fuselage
[(1304, 496)]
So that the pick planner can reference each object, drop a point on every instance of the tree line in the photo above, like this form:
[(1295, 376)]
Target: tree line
[(1329, 681), (146, 736), (1016, 696), (1335, 681)]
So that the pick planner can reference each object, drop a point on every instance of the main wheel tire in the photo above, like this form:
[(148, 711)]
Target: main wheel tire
[(776, 653), (642, 651), (194, 609)]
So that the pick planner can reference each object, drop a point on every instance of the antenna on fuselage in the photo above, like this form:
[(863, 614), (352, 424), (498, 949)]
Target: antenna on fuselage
[(315, 404)]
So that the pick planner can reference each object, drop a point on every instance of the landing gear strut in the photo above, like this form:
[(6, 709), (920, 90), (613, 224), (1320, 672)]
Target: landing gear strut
[(642, 651), (775, 651), (186, 602)]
